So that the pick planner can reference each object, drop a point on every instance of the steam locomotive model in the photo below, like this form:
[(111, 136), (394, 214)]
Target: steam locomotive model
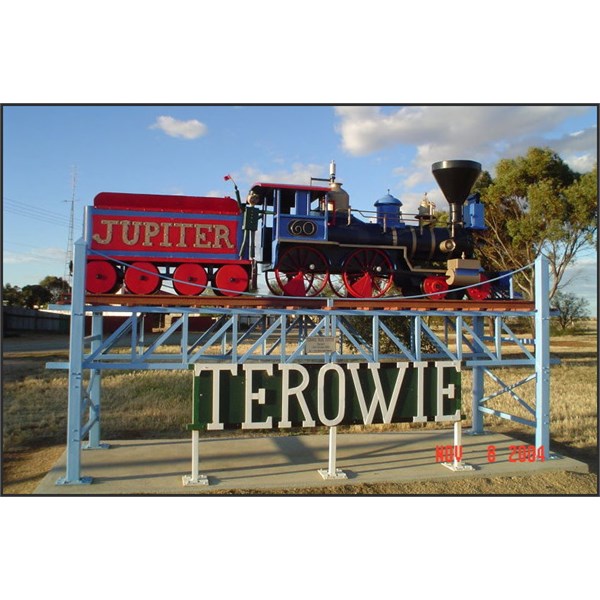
[(302, 238)]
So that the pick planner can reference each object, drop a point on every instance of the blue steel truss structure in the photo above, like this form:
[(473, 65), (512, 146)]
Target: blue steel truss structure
[(239, 335)]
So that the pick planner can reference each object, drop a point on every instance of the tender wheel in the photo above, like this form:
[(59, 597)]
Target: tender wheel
[(367, 273), (142, 278), (231, 280), (435, 287), (455, 295), (190, 279), (101, 277), (482, 291), (302, 271)]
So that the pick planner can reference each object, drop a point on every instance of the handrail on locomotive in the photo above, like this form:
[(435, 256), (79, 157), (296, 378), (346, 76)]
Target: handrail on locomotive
[(303, 238)]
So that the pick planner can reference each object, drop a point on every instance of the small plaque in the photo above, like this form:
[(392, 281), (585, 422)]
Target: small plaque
[(321, 344)]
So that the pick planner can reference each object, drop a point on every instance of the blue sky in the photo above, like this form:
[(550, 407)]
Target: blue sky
[(188, 149)]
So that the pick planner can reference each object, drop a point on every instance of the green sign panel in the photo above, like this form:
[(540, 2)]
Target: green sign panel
[(267, 395)]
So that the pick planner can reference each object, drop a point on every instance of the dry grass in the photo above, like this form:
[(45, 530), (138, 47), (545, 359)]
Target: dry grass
[(157, 404)]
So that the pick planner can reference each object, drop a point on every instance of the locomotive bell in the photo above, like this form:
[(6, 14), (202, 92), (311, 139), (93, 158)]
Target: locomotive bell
[(456, 178)]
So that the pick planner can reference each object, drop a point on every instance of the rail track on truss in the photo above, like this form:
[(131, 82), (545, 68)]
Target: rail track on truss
[(317, 303)]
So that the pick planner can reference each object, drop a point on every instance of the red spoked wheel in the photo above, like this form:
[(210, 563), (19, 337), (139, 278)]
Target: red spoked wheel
[(142, 278), (101, 277), (367, 273), (231, 280), (190, 279), (302, 271), (435, 287), (272, 283), (336, 283), (481, 292)]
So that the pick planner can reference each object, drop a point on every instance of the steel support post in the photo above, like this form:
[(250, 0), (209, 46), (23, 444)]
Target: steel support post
[(542, 355), (76, 349), (195, 478), (457, 463), (478, 374), (93, 442), (332, 472)]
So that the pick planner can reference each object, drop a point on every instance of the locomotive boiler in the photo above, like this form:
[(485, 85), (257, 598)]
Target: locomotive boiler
[(304, 239)]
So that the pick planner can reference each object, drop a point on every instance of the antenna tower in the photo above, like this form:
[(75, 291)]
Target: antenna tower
[(68, 275)]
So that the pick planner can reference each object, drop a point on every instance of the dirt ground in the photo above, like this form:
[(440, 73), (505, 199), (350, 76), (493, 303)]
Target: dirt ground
[(23, 469)]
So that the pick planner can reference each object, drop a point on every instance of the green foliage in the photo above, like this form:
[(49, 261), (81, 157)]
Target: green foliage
[(50, 289), (56, 286), (35, 296), (399, 326), (571, 309), (12, 295), (536, 204)]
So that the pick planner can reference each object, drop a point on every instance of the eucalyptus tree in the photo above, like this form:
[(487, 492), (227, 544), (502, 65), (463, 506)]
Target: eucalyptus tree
[(537, 204)]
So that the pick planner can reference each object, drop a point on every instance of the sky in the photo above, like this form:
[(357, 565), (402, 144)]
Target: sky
[(55, 154)]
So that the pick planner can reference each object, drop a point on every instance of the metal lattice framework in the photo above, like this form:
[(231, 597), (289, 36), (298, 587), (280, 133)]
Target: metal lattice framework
[(285, 335)]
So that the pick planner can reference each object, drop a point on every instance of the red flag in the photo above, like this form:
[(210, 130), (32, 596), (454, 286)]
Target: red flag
[(227, 177)]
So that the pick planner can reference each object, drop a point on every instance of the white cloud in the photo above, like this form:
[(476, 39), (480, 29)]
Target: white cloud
[(581, 279), (578, 149), (35, 256), (188, 130), (298, 174), (217, 194), (482, 133)]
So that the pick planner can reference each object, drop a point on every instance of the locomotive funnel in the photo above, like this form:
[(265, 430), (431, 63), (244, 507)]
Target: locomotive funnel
[(456, 178)]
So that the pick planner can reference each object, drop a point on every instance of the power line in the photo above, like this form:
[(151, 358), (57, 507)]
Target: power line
[(35, 213), (33, 207)]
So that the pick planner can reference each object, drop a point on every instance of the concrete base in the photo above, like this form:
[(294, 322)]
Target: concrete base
[(339, 474), (290, 462), (200, 480), (458, 466)]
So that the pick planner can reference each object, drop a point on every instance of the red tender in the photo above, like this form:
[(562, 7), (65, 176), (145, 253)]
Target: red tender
[(153, 202)]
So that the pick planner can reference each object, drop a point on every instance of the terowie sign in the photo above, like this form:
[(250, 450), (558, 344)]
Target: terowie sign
[(280, 396)]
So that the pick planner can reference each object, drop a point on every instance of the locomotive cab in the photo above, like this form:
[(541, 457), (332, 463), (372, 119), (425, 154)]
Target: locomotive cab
[(292, 213)]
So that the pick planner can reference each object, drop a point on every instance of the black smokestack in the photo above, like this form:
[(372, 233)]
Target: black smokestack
[(456, 178)]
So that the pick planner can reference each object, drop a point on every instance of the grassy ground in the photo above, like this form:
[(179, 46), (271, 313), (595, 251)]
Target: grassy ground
[(135, 406)]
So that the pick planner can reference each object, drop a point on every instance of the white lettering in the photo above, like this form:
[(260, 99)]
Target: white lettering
[(215, 424), (441, 390), (341, 394), (109, 231), (182, 230), (316, 391), (420, 416), (165, 241), (151, 231), (222, 235), (135, 237), (287, 392), (201, 230), (387, 411), (259, 396)]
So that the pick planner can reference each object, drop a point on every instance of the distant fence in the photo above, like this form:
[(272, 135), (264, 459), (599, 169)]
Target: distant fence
[(15, 318)]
